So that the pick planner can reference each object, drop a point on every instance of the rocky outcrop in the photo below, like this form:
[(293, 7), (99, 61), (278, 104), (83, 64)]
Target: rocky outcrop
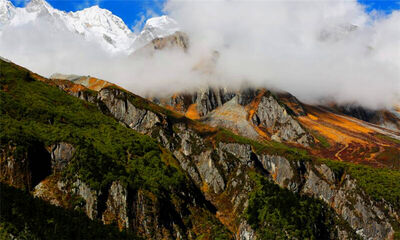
[(61, 154), (14, 170), (205, 100), (178, 40), (209, 172), (89, 196), (117, 206), (148, 218), (355, 207), (24, 166), (281, 171), (292, 103), (232, 116), (275, 119), (245, 232), (208, 99), (256, 114), (118, 104), (242, 152), (365, 216)]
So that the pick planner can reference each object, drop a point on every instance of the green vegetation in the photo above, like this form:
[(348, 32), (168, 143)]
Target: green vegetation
[(322, 140), (208, 226), (390, 156), (376, 182), (390, 139), (36, 115), (34, 112), (276, 213), (25, 217)]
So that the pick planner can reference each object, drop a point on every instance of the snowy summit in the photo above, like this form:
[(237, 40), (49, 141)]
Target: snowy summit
[(93, 23)]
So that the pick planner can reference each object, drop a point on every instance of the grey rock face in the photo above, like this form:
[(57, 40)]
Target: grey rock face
[(14, 171), (209, 99), (189, 167), (90, 196), (27, 168), (61, 154), (245, 232), (138, 119), (226, 108), (348, 201), (241, 151), (280, 170), (292, 103), (86, 96), (362, 214), (177, 40), (232, 116), (275, 118), (208, 172), (117, 206)]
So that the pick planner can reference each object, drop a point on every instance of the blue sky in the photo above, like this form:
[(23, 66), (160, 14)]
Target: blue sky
[(132, 10), (129, 10), (381, 5)]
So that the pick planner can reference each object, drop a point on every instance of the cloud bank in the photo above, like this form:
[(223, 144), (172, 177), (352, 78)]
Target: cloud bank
[(317, 50)]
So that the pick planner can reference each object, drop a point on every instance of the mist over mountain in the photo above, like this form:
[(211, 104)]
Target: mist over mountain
[(321, 52), (256, 120)]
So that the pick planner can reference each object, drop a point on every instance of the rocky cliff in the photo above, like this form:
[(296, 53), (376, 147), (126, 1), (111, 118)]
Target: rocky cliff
[(198, 179), (221, 169), (257, 114)]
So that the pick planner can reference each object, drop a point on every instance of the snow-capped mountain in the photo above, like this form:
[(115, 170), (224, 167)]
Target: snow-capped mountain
[(94, 23), (7, 11), (156, 27), (102, 24)]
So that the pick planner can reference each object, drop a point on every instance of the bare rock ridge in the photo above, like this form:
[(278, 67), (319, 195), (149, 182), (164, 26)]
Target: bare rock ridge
[(257, 114), (178, 40)]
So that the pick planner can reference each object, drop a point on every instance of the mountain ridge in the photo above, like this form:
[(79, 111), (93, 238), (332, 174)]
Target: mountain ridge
[(93, 23)]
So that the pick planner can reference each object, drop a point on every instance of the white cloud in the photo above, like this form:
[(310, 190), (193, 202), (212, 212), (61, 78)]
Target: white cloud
[(279, 44), (309, 48)]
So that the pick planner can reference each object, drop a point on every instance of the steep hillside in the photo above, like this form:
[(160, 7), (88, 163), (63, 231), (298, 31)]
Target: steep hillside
[(186, 179), (237, 175), (68, 153)]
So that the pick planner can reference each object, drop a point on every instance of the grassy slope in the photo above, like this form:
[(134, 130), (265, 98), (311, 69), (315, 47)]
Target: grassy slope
[(36, 114)]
